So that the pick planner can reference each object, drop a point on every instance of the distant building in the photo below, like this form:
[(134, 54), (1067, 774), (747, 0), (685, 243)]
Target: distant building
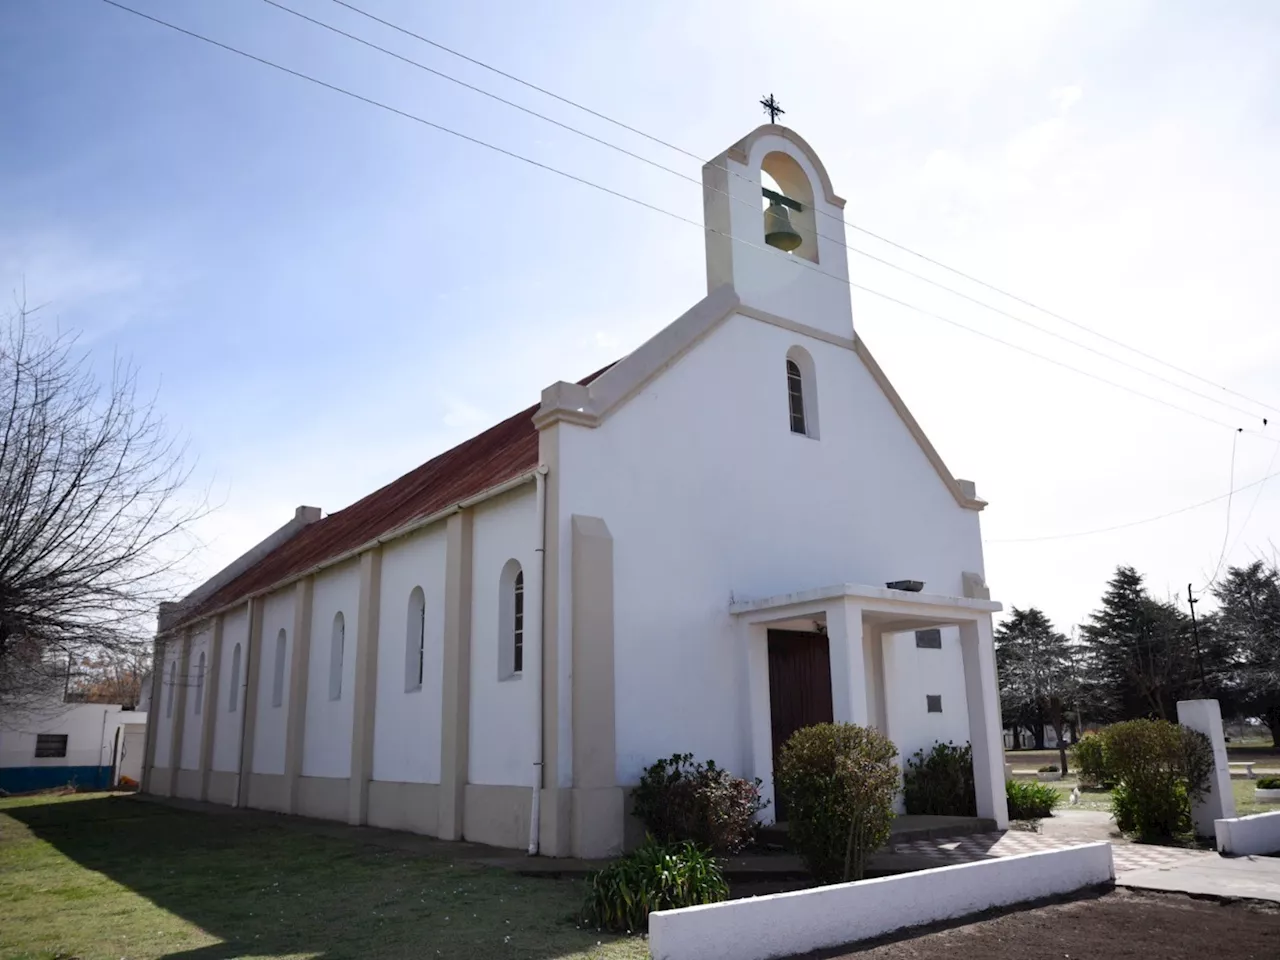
[(53, 744)]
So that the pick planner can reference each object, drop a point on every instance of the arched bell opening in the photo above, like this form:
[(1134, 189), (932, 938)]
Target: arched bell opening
[(787, 196)]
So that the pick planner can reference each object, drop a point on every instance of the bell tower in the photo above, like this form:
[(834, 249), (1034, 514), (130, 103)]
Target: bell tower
[(782, 250)]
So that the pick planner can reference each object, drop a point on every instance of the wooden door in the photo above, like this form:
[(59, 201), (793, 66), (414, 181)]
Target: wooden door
[(799, 689)]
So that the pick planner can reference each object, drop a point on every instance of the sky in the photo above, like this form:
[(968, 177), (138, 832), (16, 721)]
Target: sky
[(325, 294)]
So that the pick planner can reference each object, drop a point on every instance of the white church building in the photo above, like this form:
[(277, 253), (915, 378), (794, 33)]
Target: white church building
[(734, 531)]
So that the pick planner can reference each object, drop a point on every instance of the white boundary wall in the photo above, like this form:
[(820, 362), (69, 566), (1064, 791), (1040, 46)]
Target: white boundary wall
[(784, 924), (1243, 836)]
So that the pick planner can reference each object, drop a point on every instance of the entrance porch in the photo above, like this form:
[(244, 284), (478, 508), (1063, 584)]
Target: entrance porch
[(855, 622)]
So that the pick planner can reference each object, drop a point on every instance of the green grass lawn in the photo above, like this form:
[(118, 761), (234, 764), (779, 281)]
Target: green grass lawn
[(95, 876), (1246, 803)]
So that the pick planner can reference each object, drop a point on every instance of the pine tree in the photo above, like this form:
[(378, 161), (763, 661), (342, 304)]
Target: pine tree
[(1038, 675), (1249, 624), (1141, 651)]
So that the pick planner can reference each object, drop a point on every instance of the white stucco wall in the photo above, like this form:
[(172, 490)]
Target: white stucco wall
[(271, 722), (90, 729), (709, 495), (163, 717), (191, 726), (912, 673), (501, 746), (226, 731), (326, 750), (406, 733)]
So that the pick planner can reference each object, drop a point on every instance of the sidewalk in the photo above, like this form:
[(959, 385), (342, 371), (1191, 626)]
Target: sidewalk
[(1231, 878)]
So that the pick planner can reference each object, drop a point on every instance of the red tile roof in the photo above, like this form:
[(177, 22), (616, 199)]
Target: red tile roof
[(501, 453)]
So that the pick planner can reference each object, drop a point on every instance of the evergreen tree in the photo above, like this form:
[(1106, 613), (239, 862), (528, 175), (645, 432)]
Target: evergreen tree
[(1141, 651), (1038, 675), (1248, 622)]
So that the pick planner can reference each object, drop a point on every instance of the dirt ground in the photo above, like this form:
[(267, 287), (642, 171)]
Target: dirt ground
[(1115, 926)]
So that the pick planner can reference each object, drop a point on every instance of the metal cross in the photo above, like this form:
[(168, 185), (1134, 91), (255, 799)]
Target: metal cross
[(772, 108)]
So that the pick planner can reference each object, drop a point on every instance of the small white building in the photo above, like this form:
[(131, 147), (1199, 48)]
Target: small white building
[(53, 744), (687, 551)]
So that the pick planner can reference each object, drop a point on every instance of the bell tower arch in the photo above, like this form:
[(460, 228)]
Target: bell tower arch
[(782, 250)]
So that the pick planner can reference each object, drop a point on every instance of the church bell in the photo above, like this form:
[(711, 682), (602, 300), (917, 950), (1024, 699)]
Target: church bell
[(778, 231)]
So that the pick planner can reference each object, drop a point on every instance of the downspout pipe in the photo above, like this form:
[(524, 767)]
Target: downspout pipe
[(533, 644)]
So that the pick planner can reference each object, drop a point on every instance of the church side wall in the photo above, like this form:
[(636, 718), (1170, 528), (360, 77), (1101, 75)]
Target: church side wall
[(501, 738), (406, 745), (709, 496), (326, 749), (160, 713), (226, 729), (200, 644), (270, 722)]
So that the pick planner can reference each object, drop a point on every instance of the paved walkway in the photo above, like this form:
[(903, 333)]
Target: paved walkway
[(1232, 878), (1067, 829)]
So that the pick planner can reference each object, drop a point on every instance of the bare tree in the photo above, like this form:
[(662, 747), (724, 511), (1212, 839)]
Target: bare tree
[(92, 518)]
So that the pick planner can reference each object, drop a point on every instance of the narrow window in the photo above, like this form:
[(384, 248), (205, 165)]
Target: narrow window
[(335, 656), (517, 646), (233, 695), (51, 744), (934, 702), (511, 621), (929, 639), (200, 685), (173, 682), (415, 640), (277, 678), (795, 394)]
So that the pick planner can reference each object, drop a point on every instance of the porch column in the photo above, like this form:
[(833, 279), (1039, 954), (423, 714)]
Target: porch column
[(848, 685), (756, 637), (873, 672), (983, 695)]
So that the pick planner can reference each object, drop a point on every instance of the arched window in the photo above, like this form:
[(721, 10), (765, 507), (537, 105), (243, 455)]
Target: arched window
[(200, 685), (233, 695), (415, 640), (173, 682), (277, 678), (335, 656), (802, 393), (511, 621)]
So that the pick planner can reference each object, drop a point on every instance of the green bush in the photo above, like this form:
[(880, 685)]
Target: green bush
[(1030, 800), (1268, 783), (940, 782), (1089, 758), (839, 781), (1159, 769), (655, 876), (678, 799)]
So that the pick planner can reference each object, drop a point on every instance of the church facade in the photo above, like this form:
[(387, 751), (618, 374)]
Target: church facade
[(734, 531)]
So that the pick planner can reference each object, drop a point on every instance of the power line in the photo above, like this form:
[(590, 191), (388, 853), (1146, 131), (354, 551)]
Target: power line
[(1256, 497), (863, 230), (697, 182), (649, 206), (1226, 534), (1135, 523)]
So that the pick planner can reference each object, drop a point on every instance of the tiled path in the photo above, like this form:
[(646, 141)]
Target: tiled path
[(981, 846)]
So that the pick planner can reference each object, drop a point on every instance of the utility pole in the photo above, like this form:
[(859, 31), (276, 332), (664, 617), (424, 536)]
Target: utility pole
[(1195, 633)]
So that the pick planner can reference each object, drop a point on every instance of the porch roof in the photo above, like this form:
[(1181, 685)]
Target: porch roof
[(882, 601)]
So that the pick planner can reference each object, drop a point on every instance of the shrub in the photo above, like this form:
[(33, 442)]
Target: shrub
[(940, 782), (1268, 783), (655, 876), (1089, 756), (678, 799), (839, 781), (1030, 800), (1049, 768), (1160, 769)]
